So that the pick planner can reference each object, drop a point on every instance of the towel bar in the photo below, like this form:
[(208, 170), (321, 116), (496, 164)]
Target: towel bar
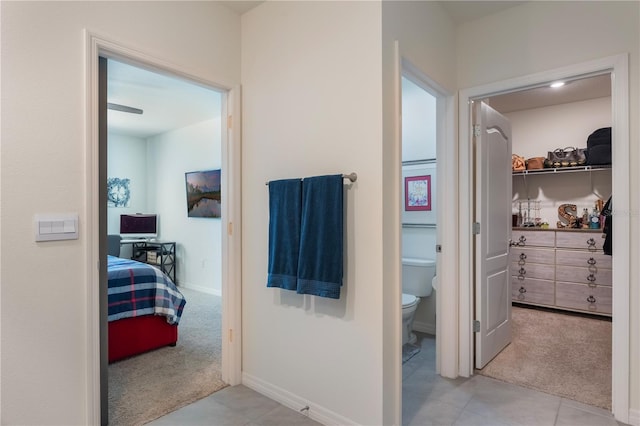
[(351, 176)]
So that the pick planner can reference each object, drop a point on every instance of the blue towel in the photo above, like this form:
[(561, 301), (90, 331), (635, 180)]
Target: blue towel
[(284, 232), (320, 259)]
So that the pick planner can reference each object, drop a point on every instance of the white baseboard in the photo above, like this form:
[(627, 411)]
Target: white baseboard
[(634, 417), (286, 398), (424, 327), (202, 289)]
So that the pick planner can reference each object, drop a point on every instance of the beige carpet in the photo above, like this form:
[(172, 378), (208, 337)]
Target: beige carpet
[(147, 386), (560, 354)]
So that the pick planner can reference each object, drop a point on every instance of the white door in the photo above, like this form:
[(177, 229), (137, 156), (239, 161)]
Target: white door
[(492, 134)]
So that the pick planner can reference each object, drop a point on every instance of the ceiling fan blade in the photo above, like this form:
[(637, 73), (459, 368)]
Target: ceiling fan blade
[(124, 108)]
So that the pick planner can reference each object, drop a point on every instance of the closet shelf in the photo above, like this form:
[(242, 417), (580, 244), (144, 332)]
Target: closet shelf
[(562, 170)]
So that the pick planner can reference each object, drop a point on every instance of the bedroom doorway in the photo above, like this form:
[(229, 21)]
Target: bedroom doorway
[(163, 134), (101, 51)]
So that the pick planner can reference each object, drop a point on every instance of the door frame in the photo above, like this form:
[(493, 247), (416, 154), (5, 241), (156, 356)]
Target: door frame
[(96, 46), (618, 67)]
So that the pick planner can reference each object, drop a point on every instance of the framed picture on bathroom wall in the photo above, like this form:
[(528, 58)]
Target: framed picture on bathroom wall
[(419, 194)]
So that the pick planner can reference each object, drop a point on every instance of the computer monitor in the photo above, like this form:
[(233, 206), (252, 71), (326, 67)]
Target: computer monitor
[(142, 226)]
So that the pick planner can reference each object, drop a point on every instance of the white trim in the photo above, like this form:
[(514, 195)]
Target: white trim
[(618, 66), (97, 45), (201, 289), (295, 402)]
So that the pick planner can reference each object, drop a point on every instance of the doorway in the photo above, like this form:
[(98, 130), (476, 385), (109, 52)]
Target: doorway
[(164, 132), (96, 218), (617, 66), (549, 270)]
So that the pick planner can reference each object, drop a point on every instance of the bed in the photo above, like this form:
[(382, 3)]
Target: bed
[(144, 311)]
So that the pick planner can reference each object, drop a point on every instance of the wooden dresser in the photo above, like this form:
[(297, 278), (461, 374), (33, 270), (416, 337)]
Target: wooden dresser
[(562, 269)]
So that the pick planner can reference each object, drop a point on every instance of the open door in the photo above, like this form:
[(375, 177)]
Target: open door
[(492, 133)]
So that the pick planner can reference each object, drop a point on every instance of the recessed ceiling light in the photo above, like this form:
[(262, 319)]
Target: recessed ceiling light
[(557, 84)]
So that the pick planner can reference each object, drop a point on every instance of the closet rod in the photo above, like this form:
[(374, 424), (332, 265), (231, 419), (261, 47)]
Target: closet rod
[(351, 176)]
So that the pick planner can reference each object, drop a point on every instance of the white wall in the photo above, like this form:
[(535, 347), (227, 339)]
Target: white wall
[(198, 240), (311, 106), (127, 158), (539, 130), (42, 169), (539, 36)]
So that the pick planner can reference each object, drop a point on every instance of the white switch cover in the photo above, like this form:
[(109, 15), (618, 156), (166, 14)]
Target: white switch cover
[(54, 227)]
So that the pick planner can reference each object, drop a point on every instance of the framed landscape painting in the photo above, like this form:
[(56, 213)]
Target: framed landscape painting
[(203, 193)]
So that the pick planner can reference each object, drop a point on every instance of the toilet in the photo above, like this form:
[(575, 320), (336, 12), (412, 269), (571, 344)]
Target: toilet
[(417, 278)]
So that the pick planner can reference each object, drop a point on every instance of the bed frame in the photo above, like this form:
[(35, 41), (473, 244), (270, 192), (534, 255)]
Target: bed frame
[(132, 336)]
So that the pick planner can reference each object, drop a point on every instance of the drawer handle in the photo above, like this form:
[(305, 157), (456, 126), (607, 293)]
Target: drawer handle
[(522, 240), (591, 242), (591, 261), (522, 271), (523, 256), (521, 262), (522, 290), (591, 299), (521, 277), (591, 278)]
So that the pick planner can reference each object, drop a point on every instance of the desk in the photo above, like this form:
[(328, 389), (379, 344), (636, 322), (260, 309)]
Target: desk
[(158, 253)]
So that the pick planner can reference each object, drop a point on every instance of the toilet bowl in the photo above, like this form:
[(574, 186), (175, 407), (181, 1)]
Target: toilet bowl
[(417, 277)]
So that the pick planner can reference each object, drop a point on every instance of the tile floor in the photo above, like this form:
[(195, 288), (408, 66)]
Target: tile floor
[(427, 399)]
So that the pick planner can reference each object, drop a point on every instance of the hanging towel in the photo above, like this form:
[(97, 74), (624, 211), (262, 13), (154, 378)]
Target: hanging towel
[(284, 232), (320, 259)]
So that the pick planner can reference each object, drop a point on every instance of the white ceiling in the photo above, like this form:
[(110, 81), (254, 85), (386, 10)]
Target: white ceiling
[(168, 103), (573, 91)]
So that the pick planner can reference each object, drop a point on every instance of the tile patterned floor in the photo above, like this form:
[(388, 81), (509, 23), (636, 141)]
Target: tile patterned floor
[(427, 399)]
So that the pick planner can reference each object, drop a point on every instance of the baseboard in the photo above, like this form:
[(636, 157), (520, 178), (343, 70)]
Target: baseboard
[(424, 327), (634, 417), (202, 289), (294, 402)]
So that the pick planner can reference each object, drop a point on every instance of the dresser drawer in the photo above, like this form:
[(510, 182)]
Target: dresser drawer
[(575, 274), (533, 238), (598, 259), (532, 291), (584, 298), (530, 255), (533, 270), (580, 240)]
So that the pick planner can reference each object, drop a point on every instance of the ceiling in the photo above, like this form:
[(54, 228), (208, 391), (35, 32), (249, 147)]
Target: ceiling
[(573, 91), (168, 103)]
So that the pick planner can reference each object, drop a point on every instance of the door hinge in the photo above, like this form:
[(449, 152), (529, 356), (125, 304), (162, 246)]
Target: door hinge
[(230, 228), (229, 121), (476, 326), (476, 228), (231, 335), (438, 248), (476, 130)]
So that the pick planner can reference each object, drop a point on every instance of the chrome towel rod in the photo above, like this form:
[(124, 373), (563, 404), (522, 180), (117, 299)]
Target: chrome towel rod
[(351, 176)]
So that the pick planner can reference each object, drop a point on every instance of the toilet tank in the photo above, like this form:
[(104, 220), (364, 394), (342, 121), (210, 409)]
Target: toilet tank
[(417, 275)]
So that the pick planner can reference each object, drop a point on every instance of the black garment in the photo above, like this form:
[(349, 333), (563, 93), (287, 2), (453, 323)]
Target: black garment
[(608, 223)]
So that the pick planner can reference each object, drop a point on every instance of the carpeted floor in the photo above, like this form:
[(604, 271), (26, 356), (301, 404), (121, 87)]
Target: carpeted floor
[(147, 386), (560, 354)]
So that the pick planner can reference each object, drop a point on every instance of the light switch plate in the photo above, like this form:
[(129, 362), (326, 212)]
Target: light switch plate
[(55, 227)]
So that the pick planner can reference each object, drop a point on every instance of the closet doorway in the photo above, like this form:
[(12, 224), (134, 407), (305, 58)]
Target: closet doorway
[(560, 342), (617, 67)]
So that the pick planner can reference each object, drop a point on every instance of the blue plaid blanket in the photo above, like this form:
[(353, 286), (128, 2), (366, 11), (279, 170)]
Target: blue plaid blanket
[(137, 289)]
